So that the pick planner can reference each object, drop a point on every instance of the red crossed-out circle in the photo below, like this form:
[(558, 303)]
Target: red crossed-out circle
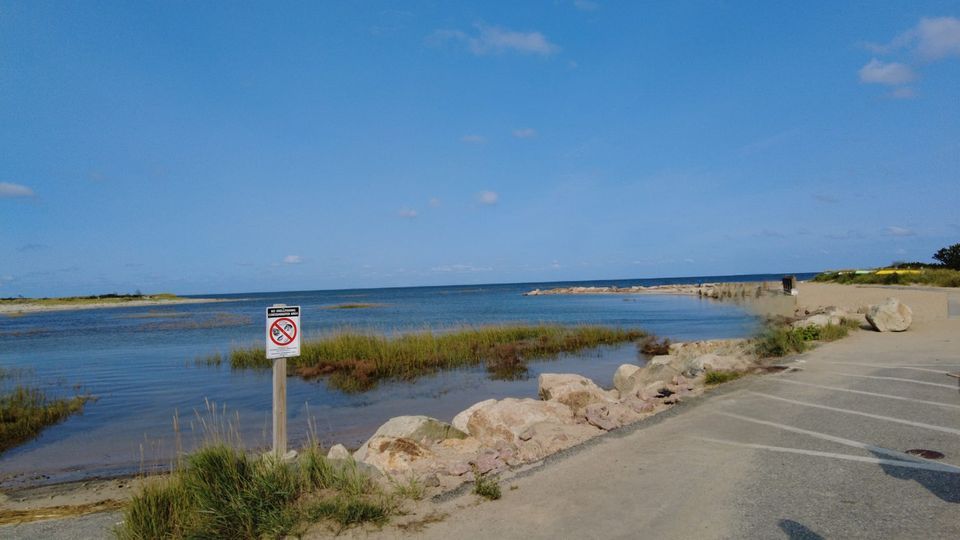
[(276, 326)]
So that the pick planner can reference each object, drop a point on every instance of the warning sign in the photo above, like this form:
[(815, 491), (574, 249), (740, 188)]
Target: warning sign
[(283, 332)]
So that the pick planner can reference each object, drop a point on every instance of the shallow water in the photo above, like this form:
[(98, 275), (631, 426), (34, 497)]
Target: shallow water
[(139, 363)]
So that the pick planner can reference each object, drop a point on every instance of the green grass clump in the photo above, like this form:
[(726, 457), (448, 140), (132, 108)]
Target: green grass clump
[(937, 277), (720, 377), (356, 361), (486, 487), (782, 339), (221, 492), (25, 411)]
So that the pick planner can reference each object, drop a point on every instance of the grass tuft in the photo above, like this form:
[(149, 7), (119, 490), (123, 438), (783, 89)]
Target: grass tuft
[(486, 486), (221, 492), (720, 377), (355, 361), (937, 277), (782, 339)]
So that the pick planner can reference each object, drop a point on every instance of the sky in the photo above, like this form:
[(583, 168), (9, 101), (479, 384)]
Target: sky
[(214, 147)]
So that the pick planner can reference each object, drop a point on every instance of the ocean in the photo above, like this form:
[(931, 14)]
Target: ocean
[(140, 364)]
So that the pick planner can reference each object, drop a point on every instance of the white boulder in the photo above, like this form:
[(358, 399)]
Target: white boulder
[(890, 316)]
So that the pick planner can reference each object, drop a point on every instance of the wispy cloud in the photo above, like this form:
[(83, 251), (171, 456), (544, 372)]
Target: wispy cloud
[(933, 38), (525, 133), (898, 231), (488, 197), (888, 73), (824, 198), (586, 5), (497, 40), (31, 247), (407, 213), (292, 259), (435, 202), (460, 268), (10, 190), (473, 139)]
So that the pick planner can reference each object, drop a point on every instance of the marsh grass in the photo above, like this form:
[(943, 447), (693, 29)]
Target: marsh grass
[(356, 361), (937, 277), (25, 411), (217, 320), (100, 299)]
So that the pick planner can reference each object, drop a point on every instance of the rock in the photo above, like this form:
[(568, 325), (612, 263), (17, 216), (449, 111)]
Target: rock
[(395, 455), (417, 428), (661, 360), (461, 419), (608, 416), (819, 320), (431, 480), (545, 438), (652, 373), (489, 462), (574, 391), (714, 362), (338, 451), (622, 376), (506, 419), (890, 316)]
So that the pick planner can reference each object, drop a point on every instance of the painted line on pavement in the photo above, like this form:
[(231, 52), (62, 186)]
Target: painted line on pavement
[(879, 366), (874, 394), (876, 461), (859, 413), (848, 442), (914, 381)]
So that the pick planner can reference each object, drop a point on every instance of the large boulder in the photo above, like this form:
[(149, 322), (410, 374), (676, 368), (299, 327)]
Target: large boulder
[(396, 455), (574, 391), (422, 429), (506, 419), (608, 416), (649, 374), (715, 362), (621, 379), (889, 316), (460, 420), (542, 439)]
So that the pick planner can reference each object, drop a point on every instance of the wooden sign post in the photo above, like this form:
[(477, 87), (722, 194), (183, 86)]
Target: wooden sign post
[(283, 341)]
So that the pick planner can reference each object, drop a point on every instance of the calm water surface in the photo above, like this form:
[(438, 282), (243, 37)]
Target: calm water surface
[(140, 364)]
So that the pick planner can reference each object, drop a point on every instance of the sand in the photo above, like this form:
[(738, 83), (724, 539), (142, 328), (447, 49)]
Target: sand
[(16, 309), (927, 303)]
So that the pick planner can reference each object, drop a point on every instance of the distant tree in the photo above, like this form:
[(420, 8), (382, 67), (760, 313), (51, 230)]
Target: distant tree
[(949, 256)]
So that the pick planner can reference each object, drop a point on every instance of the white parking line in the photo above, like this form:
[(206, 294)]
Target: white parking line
[(868, 415), (950, 386), (881, 366), (840, 440), (838, 389), (877, 461)]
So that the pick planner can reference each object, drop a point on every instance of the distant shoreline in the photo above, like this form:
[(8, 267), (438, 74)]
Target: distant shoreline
[(15, 309)]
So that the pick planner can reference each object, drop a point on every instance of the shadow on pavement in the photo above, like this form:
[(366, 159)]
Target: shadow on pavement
[(797, 531), (945, 485)]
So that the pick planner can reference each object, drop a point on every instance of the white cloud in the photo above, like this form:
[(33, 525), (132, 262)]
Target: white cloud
[(585, 5), (889, 73), (473, 139), (933, 38), (408, 213), (525, 133), (292, 259), (899, 231), (8, 190), (435, 202), (460, 268), (496, 40), (488, 197), (904, 92)]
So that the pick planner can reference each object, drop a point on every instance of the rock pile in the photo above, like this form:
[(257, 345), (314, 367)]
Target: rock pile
[(704, 290)]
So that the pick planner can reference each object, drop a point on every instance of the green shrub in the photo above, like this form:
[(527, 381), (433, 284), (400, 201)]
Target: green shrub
[(486, 486), (782, 339), (720, 377)]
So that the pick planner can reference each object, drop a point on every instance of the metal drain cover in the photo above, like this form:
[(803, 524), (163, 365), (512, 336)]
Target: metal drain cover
[(926, 454)]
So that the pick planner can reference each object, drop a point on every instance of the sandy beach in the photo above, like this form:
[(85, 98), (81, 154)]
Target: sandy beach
[(16, 309)]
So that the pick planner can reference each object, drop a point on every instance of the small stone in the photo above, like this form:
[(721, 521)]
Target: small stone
[(338, 451)]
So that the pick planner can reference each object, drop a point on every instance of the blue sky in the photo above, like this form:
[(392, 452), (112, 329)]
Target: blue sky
[(226, 147)]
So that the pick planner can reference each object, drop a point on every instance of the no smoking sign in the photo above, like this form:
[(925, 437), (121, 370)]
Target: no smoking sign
[(283, 332)]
